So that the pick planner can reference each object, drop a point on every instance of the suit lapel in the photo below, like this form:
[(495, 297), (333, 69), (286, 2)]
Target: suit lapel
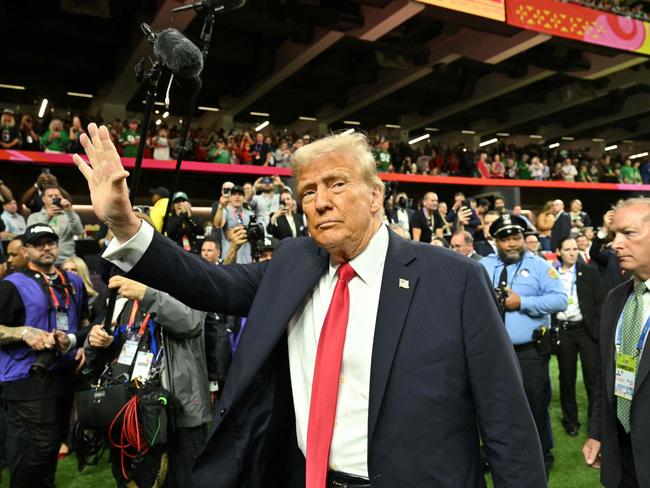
[(397, 288), (271, 322)]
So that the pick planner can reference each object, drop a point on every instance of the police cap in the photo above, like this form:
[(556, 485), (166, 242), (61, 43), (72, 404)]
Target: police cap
[(507, 225)]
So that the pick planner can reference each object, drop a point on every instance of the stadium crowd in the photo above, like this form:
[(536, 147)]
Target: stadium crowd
[(501, 160)]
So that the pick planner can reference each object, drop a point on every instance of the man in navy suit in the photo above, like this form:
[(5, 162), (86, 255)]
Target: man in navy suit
[(423, 367)]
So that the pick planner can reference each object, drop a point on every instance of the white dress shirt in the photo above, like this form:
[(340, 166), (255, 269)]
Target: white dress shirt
[(568, 278), (349, 448)]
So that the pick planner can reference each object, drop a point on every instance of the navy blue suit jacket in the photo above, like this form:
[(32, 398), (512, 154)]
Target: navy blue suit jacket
[(443, 369)]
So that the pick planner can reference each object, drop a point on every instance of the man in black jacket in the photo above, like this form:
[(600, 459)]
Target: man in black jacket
[(605, 257), (562, 226), (578, 326)]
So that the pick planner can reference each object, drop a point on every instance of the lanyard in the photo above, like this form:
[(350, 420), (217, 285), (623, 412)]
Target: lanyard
[(430, 220), (237, 216), (234, 340), (134, 312), (642, 337), (55, 300), (521, 261)]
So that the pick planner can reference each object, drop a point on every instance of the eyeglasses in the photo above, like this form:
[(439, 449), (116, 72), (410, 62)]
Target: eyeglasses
[(39, 246)]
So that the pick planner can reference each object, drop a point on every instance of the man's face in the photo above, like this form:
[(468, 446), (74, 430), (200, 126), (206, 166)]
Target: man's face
[(179, 205), (339, 205), (430, 201), (569, 252), (209, 251), (582, 242), (43, 252), (532, 244), (589, 233), (259, 138), (50, 194), (236, 199), (11, 206), (516, 210), (248, 190), (499, 204), (133, 126), (632, 239), (557, 207), (458, 245), (511, 248), (16, 255)]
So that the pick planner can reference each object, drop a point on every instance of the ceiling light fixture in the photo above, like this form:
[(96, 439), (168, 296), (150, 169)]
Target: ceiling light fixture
[(159, 121), (392, 126), (208, 109), (260, 114), (503, 134), (12, 87), (165, 115), (351, 122), (262, 125), (568, 138), (554, 145), (307, 119), (420, 138), (432, 129), (640, 155), (598, 139), (468, 132), (488, 142), (611, 148), (41, 111), (78, 94), (536, 136)]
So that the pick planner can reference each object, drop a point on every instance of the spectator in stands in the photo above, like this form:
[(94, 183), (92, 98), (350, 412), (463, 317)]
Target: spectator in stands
[(569, 171), (448, 227), (160, 143), (462, 242), (159, 200), (210, 250), (382, 156), (230, 216), (487, 245), (260, 150), (244, 153), (545, 221), (512, 170), (129, 139), (266, 200), (629, 173), (57, 213), (607, 173), (584, 245), (401, 212), (16, 254), (536, 169), (482, 166), (76, 129), (557, 174), (217, 153), (532, 244), (32, 198), (9, 133), (286, 221), (14, 222), (183, 228), (500, 206), (523, 168), (519, 212), (427, 222), (283, 155), (562, 226), (498, 169), (583, 173), (55, 139), (30, 140)]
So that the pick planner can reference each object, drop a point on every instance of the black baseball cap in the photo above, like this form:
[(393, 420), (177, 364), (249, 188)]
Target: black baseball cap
[(269, 244), (237, 189), (37, 231), (160, 191), (180, 196)]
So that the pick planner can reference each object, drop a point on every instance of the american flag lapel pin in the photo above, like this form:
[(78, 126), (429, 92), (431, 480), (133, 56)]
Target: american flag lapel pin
[(404, 283)]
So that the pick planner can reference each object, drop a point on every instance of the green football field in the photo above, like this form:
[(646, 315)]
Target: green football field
[(569, 470)]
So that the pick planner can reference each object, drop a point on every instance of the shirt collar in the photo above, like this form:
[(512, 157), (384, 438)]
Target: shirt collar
[(367, 264)]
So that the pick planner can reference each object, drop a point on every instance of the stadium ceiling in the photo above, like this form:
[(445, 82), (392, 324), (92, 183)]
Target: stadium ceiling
[(376, 62)]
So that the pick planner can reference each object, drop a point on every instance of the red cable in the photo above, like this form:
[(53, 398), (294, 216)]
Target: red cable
[(131, 435)]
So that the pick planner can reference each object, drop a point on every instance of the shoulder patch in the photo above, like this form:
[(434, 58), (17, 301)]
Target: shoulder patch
[(552, 273)]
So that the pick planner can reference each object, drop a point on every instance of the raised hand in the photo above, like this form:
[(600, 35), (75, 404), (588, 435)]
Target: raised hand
[(107, 182)]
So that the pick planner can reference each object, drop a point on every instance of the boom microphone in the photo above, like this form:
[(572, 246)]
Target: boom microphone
[(175, 51), (216, 5)]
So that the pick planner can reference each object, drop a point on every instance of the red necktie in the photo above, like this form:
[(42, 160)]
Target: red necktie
[(325, 386)]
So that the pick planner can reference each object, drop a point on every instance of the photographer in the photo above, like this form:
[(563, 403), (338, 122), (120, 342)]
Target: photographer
[(178, 329), (55, 140), (230, 214), (286, 221), (57, 213), (43, 312), (266, 199), (183, 228), (529, 290)]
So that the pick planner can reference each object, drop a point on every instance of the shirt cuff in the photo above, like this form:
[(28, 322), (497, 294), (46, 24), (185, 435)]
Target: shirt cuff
[(601, 235), (73, 342), (214, 386), (125, 256)]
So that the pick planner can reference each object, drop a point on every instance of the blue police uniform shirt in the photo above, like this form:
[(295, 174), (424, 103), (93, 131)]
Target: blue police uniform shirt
[(540, 289)]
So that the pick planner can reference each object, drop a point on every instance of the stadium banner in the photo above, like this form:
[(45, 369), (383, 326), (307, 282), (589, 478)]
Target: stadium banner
[(580, 23), (491, 9)]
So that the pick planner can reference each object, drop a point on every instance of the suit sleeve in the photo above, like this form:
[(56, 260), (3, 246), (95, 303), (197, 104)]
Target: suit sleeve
[(195, 282), (176, 319), (509, 434)]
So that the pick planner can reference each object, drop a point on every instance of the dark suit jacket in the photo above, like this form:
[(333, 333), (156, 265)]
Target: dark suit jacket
[(561, 230), (483, 248), (282, 229), (603, 422), (443, 370), (607, 263)]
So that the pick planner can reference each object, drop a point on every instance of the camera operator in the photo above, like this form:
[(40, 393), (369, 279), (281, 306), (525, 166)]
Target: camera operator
[(187, 377), (183, 228), (42, 312), (230, 214), (57, 213), (286, 221), (529, 290)]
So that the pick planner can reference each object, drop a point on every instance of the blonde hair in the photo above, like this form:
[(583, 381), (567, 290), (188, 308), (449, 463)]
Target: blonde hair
[(83, 273), (353, 146)]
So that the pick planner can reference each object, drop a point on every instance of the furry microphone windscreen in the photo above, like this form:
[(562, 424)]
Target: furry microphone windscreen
[(178, 53)]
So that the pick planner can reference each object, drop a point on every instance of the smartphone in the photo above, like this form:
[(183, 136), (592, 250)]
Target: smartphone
[(46, 171)]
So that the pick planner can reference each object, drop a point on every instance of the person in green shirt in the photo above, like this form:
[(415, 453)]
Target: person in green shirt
[(55, 140), (218, 153), (629, 173), (524, 170), (382, 156), (583, 173), (129, 139)]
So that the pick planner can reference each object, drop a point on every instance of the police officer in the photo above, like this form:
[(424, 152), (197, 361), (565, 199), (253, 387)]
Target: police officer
[(42, 311), (529, 290)]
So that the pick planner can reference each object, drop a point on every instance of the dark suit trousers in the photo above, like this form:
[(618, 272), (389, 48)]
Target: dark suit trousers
[(628, 473), (537, 385), (572, 343)]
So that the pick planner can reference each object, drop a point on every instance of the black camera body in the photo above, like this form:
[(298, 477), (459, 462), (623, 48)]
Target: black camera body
[(56, 201), (41, 366), (502, 293), (255, 230)]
